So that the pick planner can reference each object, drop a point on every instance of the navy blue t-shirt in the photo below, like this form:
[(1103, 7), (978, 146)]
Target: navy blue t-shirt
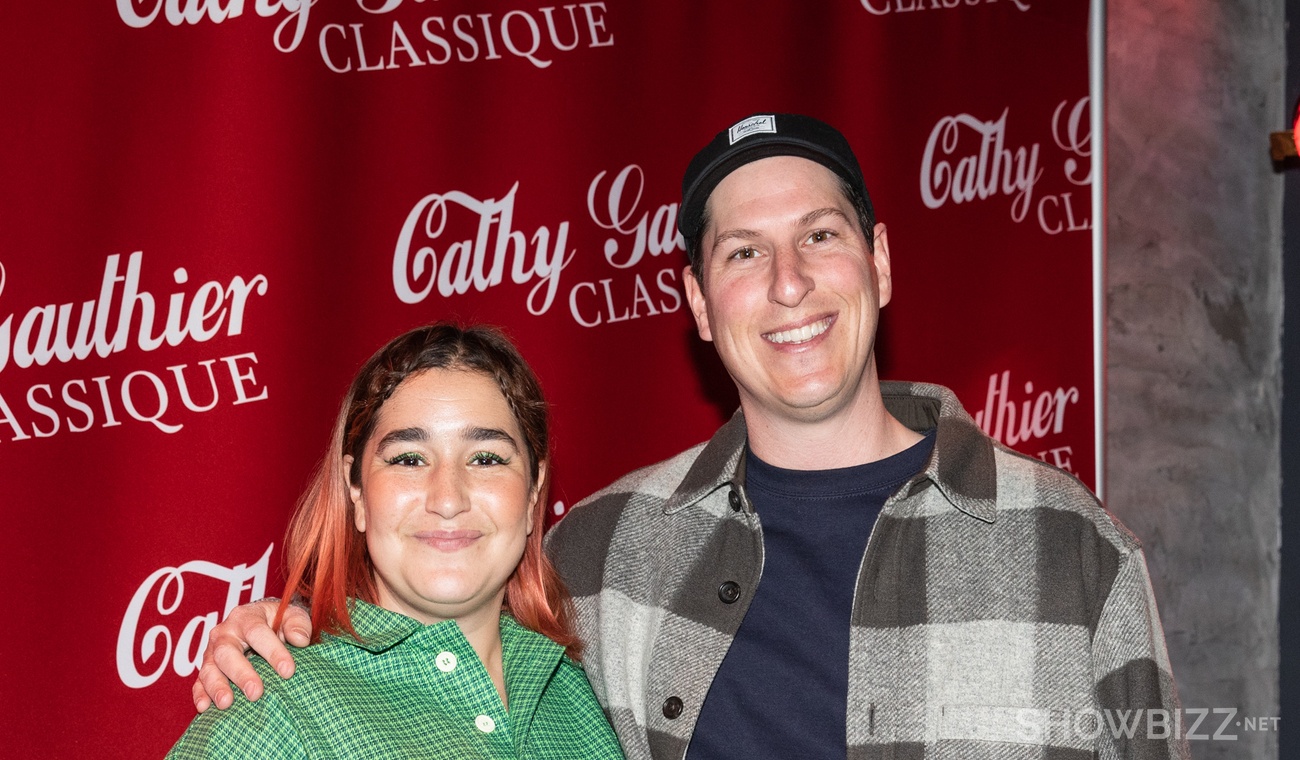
[(782, 690)]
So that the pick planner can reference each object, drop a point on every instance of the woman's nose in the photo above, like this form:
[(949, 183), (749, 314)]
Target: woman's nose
[(447, 495)]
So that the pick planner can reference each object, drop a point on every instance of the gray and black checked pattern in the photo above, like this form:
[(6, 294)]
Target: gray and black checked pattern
[(409, 690), (999, 612)]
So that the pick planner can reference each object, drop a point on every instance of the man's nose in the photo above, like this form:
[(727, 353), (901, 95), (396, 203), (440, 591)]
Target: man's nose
[(791, 280)]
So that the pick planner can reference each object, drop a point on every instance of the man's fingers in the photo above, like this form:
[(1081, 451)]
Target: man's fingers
[(296, 629), (200, 696), (212, 680), (213, 683), (233, 665), (226, 659), (264, 641)]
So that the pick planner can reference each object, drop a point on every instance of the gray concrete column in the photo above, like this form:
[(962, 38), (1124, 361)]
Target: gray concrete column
[(1194, 322)]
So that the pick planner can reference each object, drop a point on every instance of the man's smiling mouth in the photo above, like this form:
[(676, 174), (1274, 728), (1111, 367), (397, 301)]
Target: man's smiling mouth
[(799, 334)]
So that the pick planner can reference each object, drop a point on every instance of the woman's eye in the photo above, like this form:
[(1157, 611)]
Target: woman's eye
[(487, 458), (407, 459)]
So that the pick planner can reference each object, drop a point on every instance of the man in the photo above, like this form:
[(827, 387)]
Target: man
[(848, 567)]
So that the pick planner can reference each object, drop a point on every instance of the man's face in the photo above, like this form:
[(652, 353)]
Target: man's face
[(790, 294)]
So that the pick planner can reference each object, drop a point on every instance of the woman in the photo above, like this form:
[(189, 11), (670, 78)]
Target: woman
[(419, 548)]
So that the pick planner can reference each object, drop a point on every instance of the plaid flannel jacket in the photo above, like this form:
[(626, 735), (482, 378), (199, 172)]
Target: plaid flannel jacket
[(999, 611), (411, 690)]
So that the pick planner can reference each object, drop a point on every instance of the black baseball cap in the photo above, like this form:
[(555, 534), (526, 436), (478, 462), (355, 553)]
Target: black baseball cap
[(763, 136)]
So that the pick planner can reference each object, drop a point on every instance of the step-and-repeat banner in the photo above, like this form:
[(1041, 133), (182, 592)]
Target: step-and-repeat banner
[(212, 211)]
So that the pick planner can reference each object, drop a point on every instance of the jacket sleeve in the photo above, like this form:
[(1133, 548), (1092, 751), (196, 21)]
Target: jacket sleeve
[(1140, 715)]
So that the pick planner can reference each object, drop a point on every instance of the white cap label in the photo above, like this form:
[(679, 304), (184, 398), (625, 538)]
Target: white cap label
[(752, 126)]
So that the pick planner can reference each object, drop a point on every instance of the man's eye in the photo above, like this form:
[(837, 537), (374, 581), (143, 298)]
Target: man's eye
[(487, 459), (407, 459), (747, 252), (820, 236)]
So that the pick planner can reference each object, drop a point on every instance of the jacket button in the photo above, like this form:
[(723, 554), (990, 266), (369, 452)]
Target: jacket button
[(729, 592), (672, 708), (734, 498)]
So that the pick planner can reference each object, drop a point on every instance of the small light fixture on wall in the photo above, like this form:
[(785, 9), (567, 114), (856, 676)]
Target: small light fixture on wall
[(1282, 145)]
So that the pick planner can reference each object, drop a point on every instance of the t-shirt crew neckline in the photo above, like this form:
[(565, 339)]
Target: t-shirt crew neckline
[(810, 485)]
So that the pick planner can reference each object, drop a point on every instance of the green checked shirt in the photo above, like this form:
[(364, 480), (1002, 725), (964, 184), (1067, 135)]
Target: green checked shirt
[(410, 690)]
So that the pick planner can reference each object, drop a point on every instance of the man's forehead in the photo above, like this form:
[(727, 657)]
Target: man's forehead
[(802, 185)]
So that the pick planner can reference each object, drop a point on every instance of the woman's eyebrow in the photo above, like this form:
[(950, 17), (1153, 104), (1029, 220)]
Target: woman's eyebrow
[(403, 435), (485, 434)]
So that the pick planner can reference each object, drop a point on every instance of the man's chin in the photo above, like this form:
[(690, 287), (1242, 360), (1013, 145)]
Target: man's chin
[(808, 405)]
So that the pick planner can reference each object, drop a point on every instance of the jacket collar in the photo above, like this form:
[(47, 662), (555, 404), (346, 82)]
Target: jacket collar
[(720, 463), (961, 465)]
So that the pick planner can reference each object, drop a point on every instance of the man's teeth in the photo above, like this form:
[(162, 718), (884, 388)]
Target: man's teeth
[(800, 334)]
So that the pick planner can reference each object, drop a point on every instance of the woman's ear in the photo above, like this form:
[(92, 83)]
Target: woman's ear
[(542, 468), (354, 493)]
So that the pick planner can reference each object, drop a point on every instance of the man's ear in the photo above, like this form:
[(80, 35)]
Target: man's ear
[(354, 493), (695, 297), (884, 280)]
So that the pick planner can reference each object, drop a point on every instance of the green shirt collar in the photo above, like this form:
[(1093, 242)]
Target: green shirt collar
[(380, 630)]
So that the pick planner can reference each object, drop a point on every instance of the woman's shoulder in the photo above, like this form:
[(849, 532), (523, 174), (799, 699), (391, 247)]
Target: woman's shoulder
[(319, 668), (257, 730), (571, 687), (569, 722), (270, 726)]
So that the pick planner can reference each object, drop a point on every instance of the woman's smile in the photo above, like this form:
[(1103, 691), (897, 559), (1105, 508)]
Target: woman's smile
[(449, 540)]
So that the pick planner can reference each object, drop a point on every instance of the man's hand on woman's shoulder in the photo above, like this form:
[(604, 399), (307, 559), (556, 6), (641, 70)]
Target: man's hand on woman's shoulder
[(248, 627)]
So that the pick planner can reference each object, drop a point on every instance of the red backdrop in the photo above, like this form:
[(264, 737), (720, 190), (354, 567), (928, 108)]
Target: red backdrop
[(212, 212)]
